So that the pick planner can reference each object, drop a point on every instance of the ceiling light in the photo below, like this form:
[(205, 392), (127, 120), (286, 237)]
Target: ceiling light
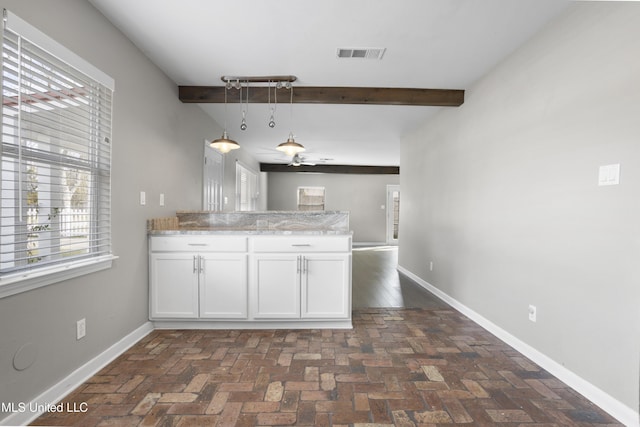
[(224, 144), (290, 146), (244, 82), (243, 124)]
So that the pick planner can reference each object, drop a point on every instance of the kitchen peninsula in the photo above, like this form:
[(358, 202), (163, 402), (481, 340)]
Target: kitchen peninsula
[(250, 270)]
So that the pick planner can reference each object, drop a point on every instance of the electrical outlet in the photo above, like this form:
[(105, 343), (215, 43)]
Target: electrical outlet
[(81, 328), (532, 313)]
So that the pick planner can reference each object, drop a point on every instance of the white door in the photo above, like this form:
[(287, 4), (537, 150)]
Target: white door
[(275, 286), (325, 286), (174, 285), (223, 286), (393, 213), (212, 179)]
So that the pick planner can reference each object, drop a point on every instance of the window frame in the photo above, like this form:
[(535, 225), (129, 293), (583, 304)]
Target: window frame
[(324, 198), (24, 279)]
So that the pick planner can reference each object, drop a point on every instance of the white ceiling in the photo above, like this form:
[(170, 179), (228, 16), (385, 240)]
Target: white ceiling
[(435, 44)]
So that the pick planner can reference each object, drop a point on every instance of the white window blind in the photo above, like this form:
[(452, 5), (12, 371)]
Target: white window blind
[(56, 155)]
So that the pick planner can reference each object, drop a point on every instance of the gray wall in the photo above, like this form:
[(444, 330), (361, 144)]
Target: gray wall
[(157, 145), (361, 195), (501, 194)]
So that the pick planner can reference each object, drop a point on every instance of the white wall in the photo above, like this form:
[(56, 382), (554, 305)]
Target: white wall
[(157, 147), (501, 194), (361, 195)]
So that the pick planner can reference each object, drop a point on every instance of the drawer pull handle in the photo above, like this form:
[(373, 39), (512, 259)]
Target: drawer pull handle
[(198, 244), (300, 244)]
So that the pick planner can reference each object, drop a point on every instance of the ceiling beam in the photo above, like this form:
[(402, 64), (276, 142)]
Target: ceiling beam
[(345, 169), (328, 95)]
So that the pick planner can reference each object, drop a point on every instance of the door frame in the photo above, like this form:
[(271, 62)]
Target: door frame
[(391, 189)]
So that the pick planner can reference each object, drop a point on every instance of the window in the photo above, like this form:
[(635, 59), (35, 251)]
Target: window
[(310, 198), (56, 158)]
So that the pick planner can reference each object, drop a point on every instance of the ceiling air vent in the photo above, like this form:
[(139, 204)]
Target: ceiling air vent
[(364, 53)]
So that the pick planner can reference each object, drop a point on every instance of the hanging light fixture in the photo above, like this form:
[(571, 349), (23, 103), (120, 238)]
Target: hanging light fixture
[(290, 147), (224, 144), (272, 110), (243, 124)]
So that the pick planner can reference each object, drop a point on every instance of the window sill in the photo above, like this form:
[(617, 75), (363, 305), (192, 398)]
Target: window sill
[(26, 281)]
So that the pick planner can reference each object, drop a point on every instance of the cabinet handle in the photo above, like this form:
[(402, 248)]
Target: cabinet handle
[(297, 245), (197, 244), (195, 269), (305, 265), (298, 264), (200, 264)]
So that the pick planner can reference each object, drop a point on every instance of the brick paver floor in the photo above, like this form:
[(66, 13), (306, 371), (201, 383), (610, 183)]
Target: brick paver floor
[(402, 367)]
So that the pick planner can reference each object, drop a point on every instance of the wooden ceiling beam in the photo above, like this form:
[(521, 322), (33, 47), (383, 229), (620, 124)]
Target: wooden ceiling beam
[(328, 95), (345, 169)]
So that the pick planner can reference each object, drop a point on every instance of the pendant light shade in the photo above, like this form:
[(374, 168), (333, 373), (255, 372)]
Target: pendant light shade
[(224, 144), (290, 147)]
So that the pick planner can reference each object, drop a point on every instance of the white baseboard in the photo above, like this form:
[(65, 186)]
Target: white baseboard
[(258, 324), (612, 406), (360, 244), (58, 391)]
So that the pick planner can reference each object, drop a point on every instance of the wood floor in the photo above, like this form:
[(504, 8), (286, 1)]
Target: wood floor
[(377, 283), (413, 362)]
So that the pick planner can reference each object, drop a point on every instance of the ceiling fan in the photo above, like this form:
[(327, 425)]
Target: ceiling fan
[(298, 160)]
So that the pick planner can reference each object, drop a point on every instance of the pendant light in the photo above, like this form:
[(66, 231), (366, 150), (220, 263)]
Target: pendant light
[(272, 110), (290, 147), (224, 144)]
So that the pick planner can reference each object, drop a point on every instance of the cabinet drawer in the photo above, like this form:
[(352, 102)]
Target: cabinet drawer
[(198, 243), (301, 244)]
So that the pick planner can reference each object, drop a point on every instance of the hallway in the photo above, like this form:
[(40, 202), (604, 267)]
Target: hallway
[(377, 283)]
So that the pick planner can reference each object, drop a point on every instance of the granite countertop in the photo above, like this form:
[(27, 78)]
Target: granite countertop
[(310, 223), (302, 213), (204, 231)]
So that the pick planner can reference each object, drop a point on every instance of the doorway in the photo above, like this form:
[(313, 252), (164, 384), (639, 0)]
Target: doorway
[(393, 213), (212, 179)]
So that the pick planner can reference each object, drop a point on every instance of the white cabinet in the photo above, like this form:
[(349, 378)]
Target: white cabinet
[(275, 286), (298, 277), (223, 286), (326, 286), (240, 281), (173, 286), (210, 283)]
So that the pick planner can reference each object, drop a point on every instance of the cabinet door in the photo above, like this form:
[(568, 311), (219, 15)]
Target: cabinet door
[(326, 286), (275, 286), (174, 285), (223, 286)]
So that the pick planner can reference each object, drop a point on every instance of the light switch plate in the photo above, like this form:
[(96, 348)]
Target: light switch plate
[(161, 199), (143, 198), (609, 175)]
